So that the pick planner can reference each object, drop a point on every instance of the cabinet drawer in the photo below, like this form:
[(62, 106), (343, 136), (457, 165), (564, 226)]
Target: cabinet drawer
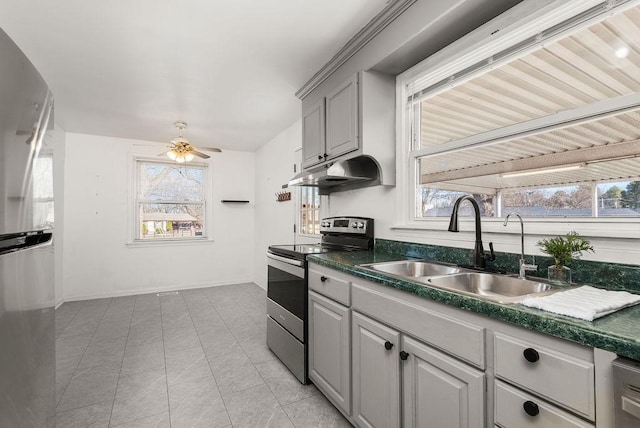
[(562, 378), (330, 286), (510, 411), (455, 336)]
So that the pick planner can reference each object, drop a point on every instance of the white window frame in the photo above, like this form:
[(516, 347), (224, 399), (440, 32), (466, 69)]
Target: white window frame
[(132, 230), (300, 210), (517, 25), (48, 154)]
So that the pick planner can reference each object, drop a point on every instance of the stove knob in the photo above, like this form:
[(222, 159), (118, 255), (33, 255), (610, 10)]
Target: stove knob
[(354, 225), (360, 225)]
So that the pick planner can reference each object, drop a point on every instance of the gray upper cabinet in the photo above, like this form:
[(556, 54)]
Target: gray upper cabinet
[(342, 119), (376, 374), (313, 134), (350, 116), (439, 390), (330, 127)]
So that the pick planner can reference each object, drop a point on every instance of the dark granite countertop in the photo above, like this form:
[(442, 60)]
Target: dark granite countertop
[(618, 332)]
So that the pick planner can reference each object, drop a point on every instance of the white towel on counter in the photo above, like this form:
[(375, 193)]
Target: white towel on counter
[(587, 303)]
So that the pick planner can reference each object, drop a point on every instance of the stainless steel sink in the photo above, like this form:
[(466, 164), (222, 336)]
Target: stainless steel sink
[(499, 288), (413, 268), (494, 287)]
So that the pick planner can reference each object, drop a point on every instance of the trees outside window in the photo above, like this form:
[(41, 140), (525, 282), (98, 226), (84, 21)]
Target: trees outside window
[(170, 200)]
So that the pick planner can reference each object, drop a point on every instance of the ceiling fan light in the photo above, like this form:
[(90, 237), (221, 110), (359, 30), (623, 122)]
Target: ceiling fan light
[(180, 159), (188, 157), (172, 155)]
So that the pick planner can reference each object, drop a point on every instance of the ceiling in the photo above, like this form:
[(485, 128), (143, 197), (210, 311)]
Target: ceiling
[(228, 68)]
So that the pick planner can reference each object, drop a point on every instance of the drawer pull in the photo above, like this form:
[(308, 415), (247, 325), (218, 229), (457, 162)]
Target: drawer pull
[(404, 355), (323, 278), (388, 345), (531, 355), (531, 408)]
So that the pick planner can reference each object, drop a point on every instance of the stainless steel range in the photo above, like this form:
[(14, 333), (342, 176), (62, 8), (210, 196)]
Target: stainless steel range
[(287, 286)]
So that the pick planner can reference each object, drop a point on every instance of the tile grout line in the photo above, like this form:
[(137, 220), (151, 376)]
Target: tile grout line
[(164, 353), (68, 322), (254, 367), (82, 356), (113, 403), (209, 362), (205, 354), (270, 389)]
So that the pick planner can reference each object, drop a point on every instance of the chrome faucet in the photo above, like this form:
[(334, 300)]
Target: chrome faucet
[(479, 256), (523, 266)]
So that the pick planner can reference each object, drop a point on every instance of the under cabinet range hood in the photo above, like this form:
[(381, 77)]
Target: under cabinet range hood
[(354, 173)]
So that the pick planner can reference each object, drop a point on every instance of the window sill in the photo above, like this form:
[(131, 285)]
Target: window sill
[(169, 243), (614, 228)]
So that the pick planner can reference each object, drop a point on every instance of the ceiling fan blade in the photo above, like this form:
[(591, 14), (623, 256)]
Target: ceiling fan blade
[(201, 155), (164, 153), (210, 149)]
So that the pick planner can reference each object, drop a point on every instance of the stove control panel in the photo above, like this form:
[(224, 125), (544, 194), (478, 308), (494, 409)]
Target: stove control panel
[(358, 225)]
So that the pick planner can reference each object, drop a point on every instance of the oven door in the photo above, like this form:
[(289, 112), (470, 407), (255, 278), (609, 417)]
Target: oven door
[(287, 293), (286, 313)]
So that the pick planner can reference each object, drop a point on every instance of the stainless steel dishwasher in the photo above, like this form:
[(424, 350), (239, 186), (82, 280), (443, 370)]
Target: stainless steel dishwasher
[(626, 376)]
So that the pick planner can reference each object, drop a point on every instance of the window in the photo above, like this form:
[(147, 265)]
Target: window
[(543, 120), (42, 176), (170, 200), (309, 211)]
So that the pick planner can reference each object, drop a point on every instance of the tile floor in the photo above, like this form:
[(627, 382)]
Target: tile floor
[(193, 359)]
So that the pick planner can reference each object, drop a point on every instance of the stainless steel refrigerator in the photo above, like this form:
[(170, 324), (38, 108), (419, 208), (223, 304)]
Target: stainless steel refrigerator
[(27, 323)]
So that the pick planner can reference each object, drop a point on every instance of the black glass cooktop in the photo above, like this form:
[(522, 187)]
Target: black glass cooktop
[(300, 251)]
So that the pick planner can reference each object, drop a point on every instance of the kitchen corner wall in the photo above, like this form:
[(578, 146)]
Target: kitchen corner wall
[(274, 220), (58, 136), (97, 262)]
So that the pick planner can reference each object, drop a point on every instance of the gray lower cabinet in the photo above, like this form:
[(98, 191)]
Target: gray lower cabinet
[(329, 349), (440, 391), (390, 359), (376, 373)]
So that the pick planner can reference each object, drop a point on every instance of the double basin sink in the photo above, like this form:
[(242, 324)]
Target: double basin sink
[(488, 286)]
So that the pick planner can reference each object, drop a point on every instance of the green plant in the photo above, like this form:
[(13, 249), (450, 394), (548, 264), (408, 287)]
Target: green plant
[(565, 248)]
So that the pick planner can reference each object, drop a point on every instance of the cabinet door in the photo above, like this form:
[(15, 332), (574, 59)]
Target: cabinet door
[(440, 391), (376, 373), (329, 340), (313, 135), (342, 119)]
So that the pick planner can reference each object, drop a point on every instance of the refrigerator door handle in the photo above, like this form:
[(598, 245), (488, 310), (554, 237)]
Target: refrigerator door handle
[(22, 241)]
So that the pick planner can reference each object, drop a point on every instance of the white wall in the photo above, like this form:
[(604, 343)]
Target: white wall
[(97, 262), (274, 220)]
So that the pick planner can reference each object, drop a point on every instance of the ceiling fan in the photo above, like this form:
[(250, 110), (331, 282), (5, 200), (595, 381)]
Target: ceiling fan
[(181, 151)]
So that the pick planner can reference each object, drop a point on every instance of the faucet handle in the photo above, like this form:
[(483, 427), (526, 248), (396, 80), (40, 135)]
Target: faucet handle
[(490, 255)]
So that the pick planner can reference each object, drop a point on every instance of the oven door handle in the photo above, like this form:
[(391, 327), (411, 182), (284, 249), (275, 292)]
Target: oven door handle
[(286, 260)]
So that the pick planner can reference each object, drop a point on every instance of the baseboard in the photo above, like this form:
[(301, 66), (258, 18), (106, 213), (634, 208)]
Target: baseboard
[(153, 290), (259, 284), (59, 303)]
